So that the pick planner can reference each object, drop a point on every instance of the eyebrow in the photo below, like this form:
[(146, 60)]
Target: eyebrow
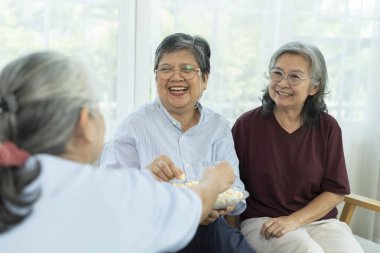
[(292, 71), (180, 65)]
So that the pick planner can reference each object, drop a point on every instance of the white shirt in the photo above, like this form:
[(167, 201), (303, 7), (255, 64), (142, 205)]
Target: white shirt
[(83, 209), (151, 131)]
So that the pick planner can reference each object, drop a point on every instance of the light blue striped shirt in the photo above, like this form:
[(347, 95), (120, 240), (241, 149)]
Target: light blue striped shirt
[(151, 131)]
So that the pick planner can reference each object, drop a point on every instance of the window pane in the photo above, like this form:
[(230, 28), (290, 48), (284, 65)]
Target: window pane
[(244, 34), (89, 31)]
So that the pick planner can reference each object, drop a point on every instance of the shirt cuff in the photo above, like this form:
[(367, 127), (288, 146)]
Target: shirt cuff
[(240, 207)]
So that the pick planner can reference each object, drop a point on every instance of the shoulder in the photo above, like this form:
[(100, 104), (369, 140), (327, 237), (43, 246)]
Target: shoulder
[(328, 121), (141, 114), (249, 116), (214, 118)]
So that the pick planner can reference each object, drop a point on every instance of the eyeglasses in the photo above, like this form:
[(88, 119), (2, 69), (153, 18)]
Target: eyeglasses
[(187, 72), (293, 79)]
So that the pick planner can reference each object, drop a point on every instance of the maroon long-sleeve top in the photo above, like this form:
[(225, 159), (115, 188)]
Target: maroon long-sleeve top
[(283, 172)]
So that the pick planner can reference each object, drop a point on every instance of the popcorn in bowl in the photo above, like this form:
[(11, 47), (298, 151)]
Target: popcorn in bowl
[(225, 199)]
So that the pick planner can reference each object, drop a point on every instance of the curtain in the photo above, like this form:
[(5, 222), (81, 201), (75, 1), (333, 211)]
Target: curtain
[(244, 34), (118, 38)]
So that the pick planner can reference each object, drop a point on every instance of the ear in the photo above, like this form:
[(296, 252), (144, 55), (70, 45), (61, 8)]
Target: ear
[(82, 131), (313, 90), (205, 82)]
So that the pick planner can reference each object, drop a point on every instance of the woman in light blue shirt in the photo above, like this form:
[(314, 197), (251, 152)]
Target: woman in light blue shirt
[(53, 200), (185, 136)]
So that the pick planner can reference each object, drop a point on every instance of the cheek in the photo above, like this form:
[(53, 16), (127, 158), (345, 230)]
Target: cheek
[(161, 85), (271, 91)]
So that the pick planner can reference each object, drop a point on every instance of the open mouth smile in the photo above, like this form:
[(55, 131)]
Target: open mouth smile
[(284, 94), (178, 90)]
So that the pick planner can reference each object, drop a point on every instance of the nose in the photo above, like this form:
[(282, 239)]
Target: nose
[(176, 74), (284, 82)]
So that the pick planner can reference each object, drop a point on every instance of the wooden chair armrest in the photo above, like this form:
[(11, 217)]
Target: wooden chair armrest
[(352, 201)]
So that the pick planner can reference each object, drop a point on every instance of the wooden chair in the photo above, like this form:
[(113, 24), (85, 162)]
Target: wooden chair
[(350, 203)]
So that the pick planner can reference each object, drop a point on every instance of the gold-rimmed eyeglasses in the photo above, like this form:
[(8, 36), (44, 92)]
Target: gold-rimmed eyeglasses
[(187, 72), (294, 79)]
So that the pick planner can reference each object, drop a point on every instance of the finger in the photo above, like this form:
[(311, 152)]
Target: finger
[(181, 175), (214, 214), (282, 232), (164, 167), (158, 173), (205, 222), (172, 170), (230, 209), (276, 231), (268, 234), (268, 231), (265, 226)]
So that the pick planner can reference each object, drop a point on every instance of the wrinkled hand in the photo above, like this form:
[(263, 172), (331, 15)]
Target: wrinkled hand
[(164, 169), (226, 210), (213, 215), (277, 227), (221, 173)]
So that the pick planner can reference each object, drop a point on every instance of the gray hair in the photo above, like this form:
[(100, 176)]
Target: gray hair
[(198, 46), (315, 104), (50, 90), (41, 96), (311, 53)]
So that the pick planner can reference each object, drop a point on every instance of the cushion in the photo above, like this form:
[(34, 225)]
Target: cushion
[(367, 245)]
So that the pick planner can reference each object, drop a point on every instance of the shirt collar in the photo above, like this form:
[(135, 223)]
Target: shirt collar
[(175, 122)]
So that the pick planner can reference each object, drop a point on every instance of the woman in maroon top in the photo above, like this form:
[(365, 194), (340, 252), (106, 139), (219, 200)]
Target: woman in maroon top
[(292, 162)]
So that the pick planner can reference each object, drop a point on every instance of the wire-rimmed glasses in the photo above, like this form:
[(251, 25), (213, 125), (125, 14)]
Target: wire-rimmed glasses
[(294, 79), (187, 72)]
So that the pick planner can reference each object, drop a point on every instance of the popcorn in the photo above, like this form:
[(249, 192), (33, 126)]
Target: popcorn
[(185, 184), (227, 198), (182, 176)]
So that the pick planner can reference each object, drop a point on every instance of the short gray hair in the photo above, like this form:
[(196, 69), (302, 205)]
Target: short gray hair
[(198, 46), (50, 90)]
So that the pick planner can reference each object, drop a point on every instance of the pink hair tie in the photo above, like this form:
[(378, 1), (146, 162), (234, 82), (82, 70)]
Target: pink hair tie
[(11, 155)]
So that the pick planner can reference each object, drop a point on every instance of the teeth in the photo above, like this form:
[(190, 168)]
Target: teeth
[(284, 94), (178, 89)]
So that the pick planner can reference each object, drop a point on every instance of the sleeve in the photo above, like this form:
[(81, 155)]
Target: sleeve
[(162, 217), (335, 178), (121, 151), (226, 151)]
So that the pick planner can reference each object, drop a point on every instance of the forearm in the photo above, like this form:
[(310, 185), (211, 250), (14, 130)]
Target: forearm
[(317, 208), (208, 192)]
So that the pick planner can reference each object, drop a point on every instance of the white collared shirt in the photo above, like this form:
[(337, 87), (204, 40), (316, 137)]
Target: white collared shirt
[(151, 131)]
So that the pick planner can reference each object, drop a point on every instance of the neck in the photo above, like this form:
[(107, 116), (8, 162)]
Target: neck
[(290, 120), (77, 152), (188, 119)]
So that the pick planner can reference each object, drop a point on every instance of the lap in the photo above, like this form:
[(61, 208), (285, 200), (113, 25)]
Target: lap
[(218, 237), (321, 236)]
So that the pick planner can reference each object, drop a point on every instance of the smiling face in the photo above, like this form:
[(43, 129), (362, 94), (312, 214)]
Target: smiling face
[(285, 96), (177, 95)]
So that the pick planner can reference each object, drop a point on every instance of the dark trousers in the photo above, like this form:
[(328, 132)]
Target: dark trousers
[(217, 237)]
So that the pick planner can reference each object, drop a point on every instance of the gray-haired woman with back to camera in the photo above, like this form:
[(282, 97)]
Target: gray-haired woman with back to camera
[(53, 200)]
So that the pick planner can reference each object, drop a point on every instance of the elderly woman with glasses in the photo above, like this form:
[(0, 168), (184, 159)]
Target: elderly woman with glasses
[(53, 200), (185, 136), (292, 162)]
